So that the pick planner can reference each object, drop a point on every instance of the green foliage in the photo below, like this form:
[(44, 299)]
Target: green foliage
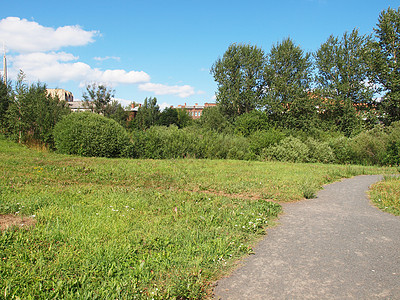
[(344, 68), (32, 114), (319, 151), (369, 147), (341, 147), (240, 78), (5, 101), (98, 98), (250, 122), (386, 61), (173, 116), (212, 119), (147, 114), (290, 149), (393, 148), (261, 140), (161, 142), (288, 78), (89, 134), (115, 111)]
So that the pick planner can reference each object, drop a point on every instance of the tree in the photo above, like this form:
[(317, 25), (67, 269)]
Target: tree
[(147, 114), (115, 111), (240, 78), (212, 119), (344, 79), (170, 116), (387, 65), (288, 81), (32, 113), (5, 100), (97, 97)]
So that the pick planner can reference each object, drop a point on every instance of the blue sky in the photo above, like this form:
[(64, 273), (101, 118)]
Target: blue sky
[(161, 49)]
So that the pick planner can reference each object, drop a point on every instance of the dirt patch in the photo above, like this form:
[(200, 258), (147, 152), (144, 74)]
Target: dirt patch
[(13, 220)]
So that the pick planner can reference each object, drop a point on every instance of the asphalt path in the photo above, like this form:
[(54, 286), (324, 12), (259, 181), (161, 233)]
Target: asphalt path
[(336, 246)]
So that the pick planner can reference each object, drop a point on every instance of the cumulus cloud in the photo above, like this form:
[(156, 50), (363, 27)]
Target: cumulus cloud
[(24, 36), (61, 66), (181, 91), (36, 50)]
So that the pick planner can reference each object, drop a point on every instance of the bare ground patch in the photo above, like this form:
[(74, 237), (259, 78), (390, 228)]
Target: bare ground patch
[(7, 221)]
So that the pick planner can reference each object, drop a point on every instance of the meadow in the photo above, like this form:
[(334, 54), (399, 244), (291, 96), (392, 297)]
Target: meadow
[(139, 228)]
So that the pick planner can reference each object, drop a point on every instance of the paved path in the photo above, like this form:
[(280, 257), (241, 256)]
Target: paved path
[(337, 246)]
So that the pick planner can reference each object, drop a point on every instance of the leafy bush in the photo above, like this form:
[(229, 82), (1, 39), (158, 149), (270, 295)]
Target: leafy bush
[(341, 149), (369, 147), (261, 140), (90, 134), (320, 151), (289, 149), (251, 122), (392, 156)]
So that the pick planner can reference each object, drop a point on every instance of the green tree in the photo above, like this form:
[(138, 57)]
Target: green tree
[(32, 113), (115, 111), (97, 97), (251, 122), (212, 119), (387, 65), (344, 80), (5, 100), (147, 114), (170, 116), (240, 78), (288, 81)]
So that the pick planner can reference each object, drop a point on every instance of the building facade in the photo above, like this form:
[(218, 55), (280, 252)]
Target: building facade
[(195, 111)]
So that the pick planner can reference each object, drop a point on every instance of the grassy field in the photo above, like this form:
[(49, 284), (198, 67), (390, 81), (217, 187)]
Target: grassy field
[(125, 229), (386, 195)]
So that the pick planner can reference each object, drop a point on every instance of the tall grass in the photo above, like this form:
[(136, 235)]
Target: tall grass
[(386, 195), (120, 228)]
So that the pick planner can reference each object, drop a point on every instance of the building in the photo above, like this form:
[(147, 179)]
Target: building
[(195, 111), (62, 94)]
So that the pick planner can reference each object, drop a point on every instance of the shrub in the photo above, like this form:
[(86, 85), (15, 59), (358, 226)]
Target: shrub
[(319, 151), (251, 122), (392, 156), (90, 134), (289, 149), (369, 147), (260, 140), (341, 149)]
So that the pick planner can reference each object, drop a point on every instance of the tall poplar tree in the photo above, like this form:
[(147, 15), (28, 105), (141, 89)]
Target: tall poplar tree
[(240, 78), (387, 66), (344, 79), (288, 76)]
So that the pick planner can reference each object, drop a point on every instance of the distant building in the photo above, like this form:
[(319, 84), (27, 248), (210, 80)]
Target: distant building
[(77, 106), (62, 94), (195, 111), (133, 110)]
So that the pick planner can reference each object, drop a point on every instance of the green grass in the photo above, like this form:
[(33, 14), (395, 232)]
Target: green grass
[(386, 195), (123, 229)]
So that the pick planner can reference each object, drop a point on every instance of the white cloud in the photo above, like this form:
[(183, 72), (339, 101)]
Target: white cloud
[(164, 105), (61, 66), (182, 91), (25, 36), (35, 49), (106, 58)]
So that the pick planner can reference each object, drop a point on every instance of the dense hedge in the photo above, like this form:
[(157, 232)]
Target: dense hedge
[(377, 146), (90, 134)]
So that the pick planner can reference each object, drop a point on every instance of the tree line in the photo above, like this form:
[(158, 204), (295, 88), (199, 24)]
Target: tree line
[(351, 82), (337, 105)]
